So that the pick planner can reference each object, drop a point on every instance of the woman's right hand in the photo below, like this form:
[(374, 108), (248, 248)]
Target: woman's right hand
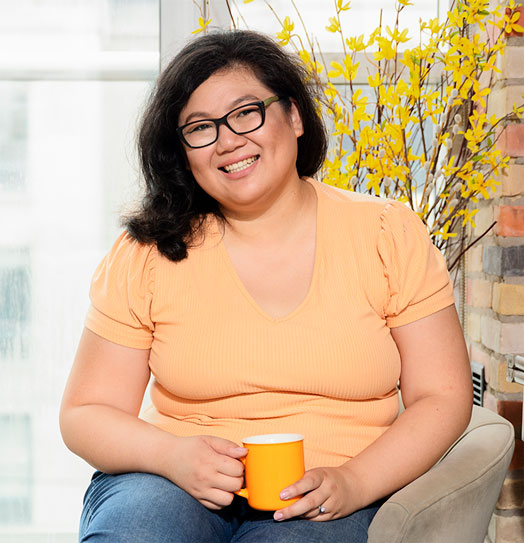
[(209, 468)]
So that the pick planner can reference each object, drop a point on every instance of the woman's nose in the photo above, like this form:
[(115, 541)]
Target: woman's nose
[(228, 140)]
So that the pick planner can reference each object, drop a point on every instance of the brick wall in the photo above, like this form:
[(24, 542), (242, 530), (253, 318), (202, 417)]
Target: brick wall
[(494, 316)]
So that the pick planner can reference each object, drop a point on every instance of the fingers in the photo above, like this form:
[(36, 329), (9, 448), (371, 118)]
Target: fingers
[(324, 496), (227, 483), (216, 499), (229, 466), (226, 447), (309, 482), (307, 506), (229, 455)]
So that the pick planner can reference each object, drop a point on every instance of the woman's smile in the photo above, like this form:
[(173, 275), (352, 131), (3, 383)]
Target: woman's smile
[(240, 165)]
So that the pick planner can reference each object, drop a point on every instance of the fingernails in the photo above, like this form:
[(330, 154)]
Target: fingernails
[(240, 450), (284, 495), (278, 516)]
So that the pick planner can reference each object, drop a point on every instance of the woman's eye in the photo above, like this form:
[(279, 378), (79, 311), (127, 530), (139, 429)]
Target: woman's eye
[(199, 128), (246, 112)]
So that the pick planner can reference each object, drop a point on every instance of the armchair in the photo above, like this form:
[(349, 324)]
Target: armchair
[(453, 502)]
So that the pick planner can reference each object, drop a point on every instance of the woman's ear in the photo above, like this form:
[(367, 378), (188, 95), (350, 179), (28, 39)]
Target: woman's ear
[(296, 118)]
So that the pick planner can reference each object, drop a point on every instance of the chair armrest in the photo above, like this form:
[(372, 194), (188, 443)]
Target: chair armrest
[(452, 502)]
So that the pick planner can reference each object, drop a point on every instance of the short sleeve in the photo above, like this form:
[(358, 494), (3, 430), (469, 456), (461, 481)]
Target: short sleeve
[(121, 294), (416, 272)]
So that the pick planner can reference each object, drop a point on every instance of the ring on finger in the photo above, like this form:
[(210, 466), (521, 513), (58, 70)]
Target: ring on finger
[(321, 509)]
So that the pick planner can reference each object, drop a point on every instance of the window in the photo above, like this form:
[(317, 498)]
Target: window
[(71, 91), (15, 304), (15, 469), (13, 137)]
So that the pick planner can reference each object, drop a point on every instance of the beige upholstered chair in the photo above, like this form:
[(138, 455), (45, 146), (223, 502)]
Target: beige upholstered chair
[(453, 502)]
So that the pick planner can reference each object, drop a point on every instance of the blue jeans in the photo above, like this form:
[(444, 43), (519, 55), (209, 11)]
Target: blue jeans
[(146, 508)]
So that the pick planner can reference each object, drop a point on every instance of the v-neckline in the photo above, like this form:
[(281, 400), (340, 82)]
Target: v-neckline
[(316, 265)]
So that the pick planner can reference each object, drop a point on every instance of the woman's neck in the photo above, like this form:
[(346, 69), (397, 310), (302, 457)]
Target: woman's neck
[(294, 206)]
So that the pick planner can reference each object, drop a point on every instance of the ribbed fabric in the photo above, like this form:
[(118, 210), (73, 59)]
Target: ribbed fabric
[(328, 370)]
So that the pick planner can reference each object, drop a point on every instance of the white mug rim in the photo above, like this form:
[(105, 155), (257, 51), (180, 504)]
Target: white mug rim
[(272, 439)]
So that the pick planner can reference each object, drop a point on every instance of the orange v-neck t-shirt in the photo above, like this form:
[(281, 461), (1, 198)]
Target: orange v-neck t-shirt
[(328, 370)]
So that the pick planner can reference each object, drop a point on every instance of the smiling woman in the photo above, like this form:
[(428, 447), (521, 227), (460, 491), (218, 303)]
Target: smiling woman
[(171, 190), (262, 302), (245, 171)]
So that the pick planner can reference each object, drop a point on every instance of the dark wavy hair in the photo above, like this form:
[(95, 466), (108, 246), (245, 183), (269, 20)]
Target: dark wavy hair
[(174, 207)]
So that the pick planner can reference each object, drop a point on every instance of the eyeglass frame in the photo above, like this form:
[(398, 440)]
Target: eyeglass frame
[(262, 105)]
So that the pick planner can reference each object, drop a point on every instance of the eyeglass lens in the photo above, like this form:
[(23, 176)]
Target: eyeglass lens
[(241, 120)]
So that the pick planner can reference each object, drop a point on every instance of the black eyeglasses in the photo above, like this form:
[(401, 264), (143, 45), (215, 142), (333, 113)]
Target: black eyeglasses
[(241, 120)]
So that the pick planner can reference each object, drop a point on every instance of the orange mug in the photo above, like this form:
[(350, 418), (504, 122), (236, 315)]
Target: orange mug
[(273, 462)]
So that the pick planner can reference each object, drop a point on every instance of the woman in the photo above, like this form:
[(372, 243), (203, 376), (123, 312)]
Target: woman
[(262, 302)]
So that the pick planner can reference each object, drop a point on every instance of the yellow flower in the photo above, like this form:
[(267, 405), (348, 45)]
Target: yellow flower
[(396, 36), (468, 216), (285, 34), (330, 92), (511, 23), (311, 64), (374, 182), (374, 81), (356, 44), (444, 234), (341, 6), (348, 71), (518, 111), (334, 26), (385, 50), (433, 26), (341, 128), (202, 25)]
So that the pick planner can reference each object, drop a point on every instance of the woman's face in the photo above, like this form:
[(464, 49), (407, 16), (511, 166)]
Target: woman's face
[(244, 173)]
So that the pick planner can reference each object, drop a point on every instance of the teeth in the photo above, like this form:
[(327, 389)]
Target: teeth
[(237, 166)]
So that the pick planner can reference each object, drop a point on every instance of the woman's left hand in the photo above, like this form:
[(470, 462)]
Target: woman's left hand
[(328, 493)]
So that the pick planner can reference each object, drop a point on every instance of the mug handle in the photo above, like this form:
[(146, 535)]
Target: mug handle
[(243, 491)]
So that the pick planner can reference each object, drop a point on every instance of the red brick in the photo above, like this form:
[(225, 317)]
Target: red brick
[(512, 140), (510, 221), (511, 411), (517, 461)]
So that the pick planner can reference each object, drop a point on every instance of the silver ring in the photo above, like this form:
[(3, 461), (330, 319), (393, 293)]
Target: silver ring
[(321, 509)]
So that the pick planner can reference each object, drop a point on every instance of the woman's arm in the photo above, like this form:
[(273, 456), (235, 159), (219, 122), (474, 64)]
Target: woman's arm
[(437, 393), (99, 422)]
